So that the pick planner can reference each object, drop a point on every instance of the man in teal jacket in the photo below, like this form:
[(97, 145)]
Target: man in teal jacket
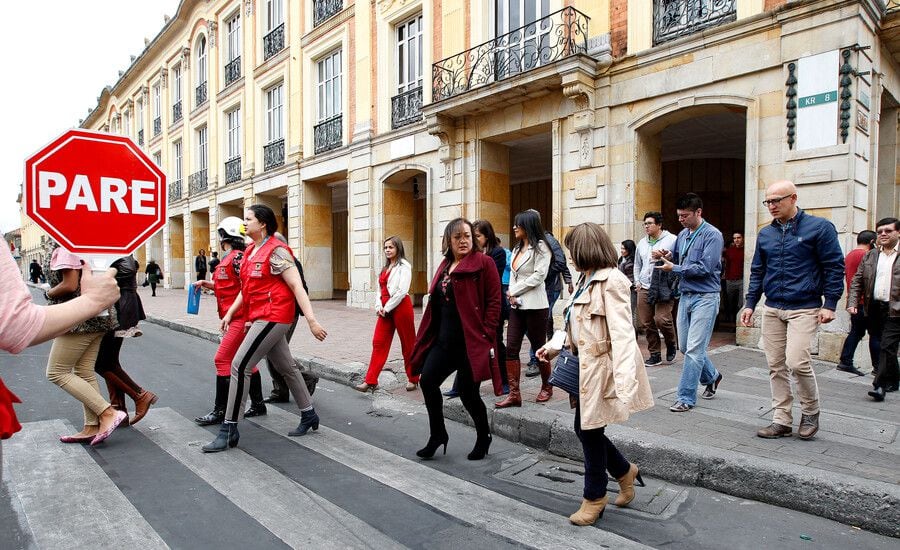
[(797, 261)]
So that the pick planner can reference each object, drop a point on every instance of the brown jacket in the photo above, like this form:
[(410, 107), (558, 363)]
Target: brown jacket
[(613, 382), (864, 282)]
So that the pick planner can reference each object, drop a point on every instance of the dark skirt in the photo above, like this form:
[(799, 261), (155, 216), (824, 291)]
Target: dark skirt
[(130, 309)]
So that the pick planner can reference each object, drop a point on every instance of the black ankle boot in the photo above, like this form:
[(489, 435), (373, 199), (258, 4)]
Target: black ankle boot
[(482, 444), (228, 437), (217, 415), (433, 443), (212, 417), (255, 409), (308, 419)]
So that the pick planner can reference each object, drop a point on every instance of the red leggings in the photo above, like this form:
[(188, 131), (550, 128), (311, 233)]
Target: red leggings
[(231, 342), (400, 319)]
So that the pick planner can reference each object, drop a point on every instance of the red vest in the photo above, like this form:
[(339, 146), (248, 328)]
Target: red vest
[(228, 285), (266, 296)]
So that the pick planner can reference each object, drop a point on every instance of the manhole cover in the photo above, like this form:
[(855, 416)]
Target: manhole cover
[(565, 477)]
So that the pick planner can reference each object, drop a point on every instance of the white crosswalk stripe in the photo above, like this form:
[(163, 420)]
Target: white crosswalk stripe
[(468, 502), (67, 498)]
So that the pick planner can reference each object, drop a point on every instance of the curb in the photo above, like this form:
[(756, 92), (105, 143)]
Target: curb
[(870, 505)]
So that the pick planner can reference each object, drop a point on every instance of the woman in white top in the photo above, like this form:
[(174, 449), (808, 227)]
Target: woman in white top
[(528, 302), (395, 312)]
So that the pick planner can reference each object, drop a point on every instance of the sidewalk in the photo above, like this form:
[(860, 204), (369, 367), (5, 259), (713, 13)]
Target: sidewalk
[(850, 472)]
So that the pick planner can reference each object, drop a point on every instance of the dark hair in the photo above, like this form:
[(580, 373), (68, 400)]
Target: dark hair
[(529, 221), (689, 201), (451, 228), (629, 247), (867, 237), (657, 217), (590, 247), (887, 221), (265, 215), (485, 228), (401, 253)]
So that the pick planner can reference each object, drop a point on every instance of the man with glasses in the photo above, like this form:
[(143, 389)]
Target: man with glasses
[(654, 312), (878, 281), (797, 261), (697, 260)]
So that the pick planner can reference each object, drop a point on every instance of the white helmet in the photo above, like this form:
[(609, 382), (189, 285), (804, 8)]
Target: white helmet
[(231, 227)]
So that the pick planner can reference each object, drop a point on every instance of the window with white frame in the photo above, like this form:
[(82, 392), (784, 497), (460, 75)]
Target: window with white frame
[(274, 14), (409, 54), (126, 123), (233, 37), (329, 86), (157, 105), (275, 113), (201, 60), (177, 155), (233, 126), (202, 149), (157, 158), (140, 115), (176, 84)]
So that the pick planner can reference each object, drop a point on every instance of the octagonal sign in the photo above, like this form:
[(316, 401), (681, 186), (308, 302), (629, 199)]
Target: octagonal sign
[(95, 193)]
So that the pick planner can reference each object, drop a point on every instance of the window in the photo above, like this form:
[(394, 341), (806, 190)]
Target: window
[(273, 35), (523, 50), (202, 150), (176, 85), (140, 115), (274, 113), (157, 113), (157, 158), (233, 34), (126, 123), (409, 55), (329, 88), (233, 124), (201, 61), (177, 156), (274, 14)]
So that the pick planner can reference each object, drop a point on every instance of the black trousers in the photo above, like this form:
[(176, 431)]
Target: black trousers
[(888, 330), (859, 325), (441, 362), (600, 456)]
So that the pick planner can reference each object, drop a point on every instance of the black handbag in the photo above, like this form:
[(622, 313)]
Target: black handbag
[(565, 372)]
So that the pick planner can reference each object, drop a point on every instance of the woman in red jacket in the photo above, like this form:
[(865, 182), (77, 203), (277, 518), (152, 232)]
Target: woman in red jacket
[(271, 289), (458, 333)]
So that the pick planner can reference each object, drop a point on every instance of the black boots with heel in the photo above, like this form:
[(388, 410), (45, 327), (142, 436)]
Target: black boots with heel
[(308, 420), (228, 437)]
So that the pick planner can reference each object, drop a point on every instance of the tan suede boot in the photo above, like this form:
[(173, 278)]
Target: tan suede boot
[(626, 485), (590, 511)]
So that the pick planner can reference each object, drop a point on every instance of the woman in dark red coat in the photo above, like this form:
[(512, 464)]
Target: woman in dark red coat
[(458, 333)]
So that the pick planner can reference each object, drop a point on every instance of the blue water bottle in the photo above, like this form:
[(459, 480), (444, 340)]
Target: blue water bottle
[(193, 303)]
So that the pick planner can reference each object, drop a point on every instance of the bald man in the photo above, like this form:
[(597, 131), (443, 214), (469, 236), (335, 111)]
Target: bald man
[(797, 261)]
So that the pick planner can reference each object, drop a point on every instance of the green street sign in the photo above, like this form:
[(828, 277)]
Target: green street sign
[(818, 99)]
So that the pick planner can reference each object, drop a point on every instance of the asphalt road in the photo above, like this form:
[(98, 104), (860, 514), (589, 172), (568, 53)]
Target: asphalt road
[(355, 483)]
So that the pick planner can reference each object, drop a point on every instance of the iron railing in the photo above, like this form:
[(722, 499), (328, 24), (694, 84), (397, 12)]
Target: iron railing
[(406, 108), (273, 155), (676, 18), (328, 134), (140, 137), (273, 42), (176, 112), (232, 70), (200, 96), (233, 170), (175, 191), (157, 126), (559, 35), (197, 182), (324, 9)]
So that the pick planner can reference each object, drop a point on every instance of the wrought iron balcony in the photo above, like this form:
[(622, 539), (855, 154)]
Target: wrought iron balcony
[(324, 9), (175, 191), (273, 42), (141, 138), (549, 39), (200, 95), (176, 112), (273, 155), (197, 182), (232, 70), (157, 126), (406, 108), (233, 170), (328, 134), (676, 18)]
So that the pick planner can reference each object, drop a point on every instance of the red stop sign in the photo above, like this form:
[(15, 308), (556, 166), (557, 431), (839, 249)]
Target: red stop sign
[(95, 193)]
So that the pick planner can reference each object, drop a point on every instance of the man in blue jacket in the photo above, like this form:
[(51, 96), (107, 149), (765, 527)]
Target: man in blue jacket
[(798, 260), (697, 261)]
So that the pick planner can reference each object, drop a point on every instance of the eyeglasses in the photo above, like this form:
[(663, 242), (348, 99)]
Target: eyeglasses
[(885, 231), (771, 202)]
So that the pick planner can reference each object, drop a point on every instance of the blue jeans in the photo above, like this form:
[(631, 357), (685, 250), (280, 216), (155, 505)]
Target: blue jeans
[(696, 317), (552, 297)]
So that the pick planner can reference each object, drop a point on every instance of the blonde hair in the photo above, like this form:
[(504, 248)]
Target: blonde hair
[(590, 247)]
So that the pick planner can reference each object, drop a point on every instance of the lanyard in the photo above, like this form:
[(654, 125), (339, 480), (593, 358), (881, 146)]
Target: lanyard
[(583, 284), (690, 241)]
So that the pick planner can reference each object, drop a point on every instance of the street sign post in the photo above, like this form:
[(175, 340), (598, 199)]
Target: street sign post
[(99, 195)]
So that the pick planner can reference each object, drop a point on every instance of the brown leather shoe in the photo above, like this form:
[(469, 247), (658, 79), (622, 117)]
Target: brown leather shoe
[(774, 431), (514, 399), (142, 405), (809, 425), (546, 389), (590, 511)]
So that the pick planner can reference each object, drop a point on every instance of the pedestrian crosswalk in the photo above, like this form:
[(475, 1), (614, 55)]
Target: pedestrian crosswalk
[(68, 500)]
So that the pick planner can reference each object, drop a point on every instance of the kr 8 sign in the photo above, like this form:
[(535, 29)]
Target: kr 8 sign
[(95, 193)]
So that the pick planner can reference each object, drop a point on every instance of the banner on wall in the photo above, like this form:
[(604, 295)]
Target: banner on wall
[(817, 100)]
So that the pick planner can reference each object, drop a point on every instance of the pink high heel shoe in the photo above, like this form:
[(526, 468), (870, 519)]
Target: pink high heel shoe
[(102, 436)]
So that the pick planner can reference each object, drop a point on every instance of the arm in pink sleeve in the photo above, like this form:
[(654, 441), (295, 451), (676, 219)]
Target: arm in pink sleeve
[(20, 318)]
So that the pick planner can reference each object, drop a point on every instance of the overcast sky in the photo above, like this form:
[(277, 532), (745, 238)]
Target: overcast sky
[(59, 54)]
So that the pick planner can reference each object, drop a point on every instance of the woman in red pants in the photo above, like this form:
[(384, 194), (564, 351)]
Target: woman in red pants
[(226, 283), (395, 312)]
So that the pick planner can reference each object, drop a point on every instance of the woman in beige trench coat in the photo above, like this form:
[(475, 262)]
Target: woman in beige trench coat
[(612, 380)]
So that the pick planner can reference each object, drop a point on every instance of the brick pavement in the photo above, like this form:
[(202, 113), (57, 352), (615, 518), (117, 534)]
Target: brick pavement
[(857, 436)]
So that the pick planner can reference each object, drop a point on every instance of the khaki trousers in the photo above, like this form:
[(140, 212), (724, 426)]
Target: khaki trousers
[(71, 367), (654, 319), (787, 338)]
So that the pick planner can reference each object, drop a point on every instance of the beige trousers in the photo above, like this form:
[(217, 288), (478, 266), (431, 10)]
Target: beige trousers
[(787, 339), (71, 367)]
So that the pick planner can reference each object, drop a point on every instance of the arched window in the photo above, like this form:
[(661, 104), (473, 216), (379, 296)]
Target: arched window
[(201, 60)]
